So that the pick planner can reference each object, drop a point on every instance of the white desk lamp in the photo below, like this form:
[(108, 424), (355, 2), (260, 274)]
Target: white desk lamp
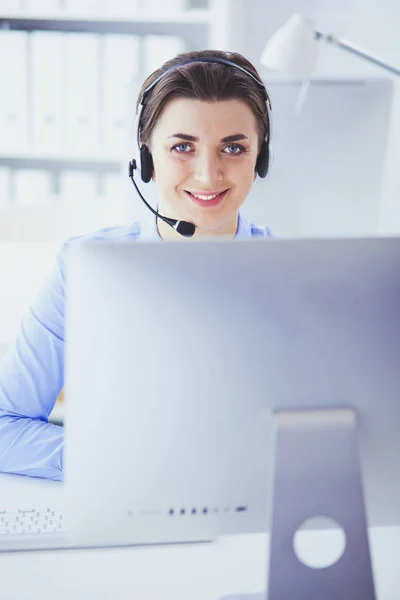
[(292, 49)]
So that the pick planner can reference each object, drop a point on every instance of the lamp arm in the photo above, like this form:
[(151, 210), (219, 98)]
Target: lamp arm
[(356, 50)]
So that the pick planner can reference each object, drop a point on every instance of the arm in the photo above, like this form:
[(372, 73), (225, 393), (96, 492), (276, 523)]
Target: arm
[(31, 377)]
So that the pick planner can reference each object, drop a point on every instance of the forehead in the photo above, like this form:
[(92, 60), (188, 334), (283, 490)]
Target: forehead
[(196, 117)]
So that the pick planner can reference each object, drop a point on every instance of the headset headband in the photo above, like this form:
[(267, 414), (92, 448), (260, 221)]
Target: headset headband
[(205, 59)]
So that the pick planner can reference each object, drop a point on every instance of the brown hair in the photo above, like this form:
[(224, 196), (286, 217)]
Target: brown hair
[(204, 81)]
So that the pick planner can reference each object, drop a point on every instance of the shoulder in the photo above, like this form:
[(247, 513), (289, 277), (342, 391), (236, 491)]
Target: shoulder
[(48, 305), (117, 233), (113, 234)]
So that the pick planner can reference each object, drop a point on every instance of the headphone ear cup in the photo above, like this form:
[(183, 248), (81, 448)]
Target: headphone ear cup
[(146, 164), (262, 163)]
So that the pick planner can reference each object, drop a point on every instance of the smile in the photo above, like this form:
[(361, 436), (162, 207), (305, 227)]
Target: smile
[(207, 200)]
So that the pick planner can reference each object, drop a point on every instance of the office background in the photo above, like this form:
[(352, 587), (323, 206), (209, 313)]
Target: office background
[(67, 108)]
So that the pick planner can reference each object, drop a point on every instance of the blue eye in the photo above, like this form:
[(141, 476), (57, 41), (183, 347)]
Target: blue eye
[(236, 149), (180, 148)]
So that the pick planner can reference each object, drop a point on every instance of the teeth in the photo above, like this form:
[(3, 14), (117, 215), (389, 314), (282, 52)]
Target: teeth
[(201, 197)]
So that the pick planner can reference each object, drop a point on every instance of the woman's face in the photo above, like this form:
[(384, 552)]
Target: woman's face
[(204, 156)]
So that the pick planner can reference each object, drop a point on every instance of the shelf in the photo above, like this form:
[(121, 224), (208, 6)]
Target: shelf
[(143, 24), (191, 25), (61, 161)]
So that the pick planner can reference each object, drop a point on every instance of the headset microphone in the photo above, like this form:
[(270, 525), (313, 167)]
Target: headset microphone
[(183, 227)]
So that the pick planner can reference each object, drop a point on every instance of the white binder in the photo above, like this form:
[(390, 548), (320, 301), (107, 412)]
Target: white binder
[(85, 8), (4, 188), (32, 187), (120, 69), (157, 49), (80, 199), (13, 78), (48, 90), (115, 200), (122, 9), (151, 7), (40, 7), (81, 89)]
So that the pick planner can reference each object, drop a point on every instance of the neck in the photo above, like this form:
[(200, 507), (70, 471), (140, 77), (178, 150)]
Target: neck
[(226, 229)]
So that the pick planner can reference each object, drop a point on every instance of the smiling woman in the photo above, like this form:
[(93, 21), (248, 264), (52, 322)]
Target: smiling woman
[(206, 179), (202, 134)]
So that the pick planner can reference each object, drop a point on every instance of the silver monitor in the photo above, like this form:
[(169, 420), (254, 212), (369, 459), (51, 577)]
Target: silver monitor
[(225, 387)]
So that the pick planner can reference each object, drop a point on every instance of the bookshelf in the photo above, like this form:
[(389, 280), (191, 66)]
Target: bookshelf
[(191, 25), (53, 161), (198, 28)]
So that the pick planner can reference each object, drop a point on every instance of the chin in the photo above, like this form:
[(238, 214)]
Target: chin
[(212, 222), (206, 219)]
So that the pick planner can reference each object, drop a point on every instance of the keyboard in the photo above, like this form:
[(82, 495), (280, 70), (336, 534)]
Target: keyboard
[(32, 521)]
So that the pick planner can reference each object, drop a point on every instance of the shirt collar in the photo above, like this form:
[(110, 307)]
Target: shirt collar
[(149, 229)]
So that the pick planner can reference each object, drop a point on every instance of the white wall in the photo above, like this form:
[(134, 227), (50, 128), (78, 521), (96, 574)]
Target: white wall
[(321, 183), (368, 23)]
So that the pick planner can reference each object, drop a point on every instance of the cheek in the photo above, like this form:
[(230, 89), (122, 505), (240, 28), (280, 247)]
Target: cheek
[(243, 175), (168, 170)]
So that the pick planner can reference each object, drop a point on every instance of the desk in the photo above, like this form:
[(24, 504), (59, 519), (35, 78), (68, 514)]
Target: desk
[(230, 565)]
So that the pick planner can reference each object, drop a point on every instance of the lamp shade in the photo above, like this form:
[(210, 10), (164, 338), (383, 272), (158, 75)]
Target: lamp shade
[(293, 48)]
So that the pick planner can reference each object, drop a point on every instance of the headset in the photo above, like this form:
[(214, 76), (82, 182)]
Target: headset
[(144, 160)]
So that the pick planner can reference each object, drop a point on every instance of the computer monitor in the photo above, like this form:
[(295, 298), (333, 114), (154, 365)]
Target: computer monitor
[(223, 387)]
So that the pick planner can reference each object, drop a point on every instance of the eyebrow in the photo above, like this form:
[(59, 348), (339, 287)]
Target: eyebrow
[(191, 138)]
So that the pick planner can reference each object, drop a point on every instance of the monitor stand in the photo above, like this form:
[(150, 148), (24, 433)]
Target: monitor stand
[(317, 473)]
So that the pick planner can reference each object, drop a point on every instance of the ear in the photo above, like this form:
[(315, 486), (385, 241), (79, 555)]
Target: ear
[(153, 174), (255, 175)]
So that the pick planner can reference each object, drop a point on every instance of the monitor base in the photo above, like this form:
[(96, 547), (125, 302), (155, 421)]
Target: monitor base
[(317, 474)]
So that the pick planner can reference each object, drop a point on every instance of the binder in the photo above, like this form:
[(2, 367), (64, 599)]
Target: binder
[(157, 49), (114, 200), (122, 9), (5, 182), (31, 7), (13, 78), (85, 8), (121, 66), (32, 187), (47, 62), (78, 187), (80, 199), (40, 7), (151, 7), (81, 92), (12, 6)]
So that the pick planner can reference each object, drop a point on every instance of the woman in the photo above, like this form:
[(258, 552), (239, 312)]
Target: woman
[(203, 131)]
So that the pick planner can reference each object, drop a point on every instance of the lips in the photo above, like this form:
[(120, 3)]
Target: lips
[(208, 193), (214, 201)]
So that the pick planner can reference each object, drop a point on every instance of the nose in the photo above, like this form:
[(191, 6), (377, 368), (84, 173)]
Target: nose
[(207, 168)]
